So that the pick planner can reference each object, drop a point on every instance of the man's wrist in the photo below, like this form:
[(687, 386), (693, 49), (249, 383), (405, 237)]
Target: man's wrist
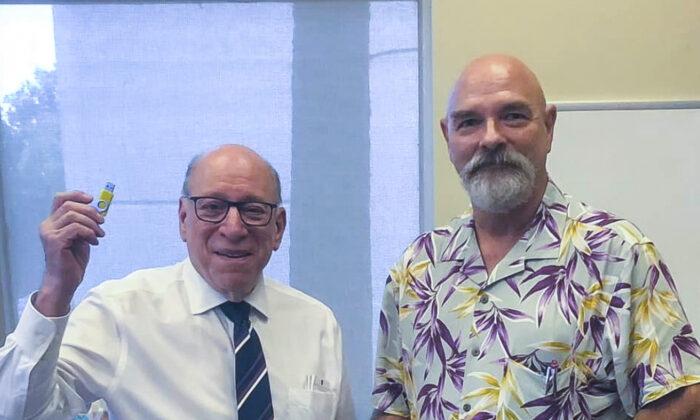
[(52, 303)]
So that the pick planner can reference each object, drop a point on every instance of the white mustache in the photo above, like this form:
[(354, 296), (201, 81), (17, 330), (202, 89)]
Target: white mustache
[(491, 158)]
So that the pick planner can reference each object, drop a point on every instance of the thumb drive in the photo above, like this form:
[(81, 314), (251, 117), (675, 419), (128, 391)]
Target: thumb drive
[(105, 199)]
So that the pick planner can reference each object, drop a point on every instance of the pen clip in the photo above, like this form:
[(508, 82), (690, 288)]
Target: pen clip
[(551, 377)]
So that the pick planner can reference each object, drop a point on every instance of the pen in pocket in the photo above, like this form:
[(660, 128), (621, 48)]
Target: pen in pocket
[(550, 378)]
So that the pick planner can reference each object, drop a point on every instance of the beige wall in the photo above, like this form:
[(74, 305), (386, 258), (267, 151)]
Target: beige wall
[(615, 50)]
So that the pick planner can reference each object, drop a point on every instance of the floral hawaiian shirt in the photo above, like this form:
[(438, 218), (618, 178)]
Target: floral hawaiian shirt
[(581, 319)]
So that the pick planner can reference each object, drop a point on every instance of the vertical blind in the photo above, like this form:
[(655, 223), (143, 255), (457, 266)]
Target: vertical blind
[(327, 91)]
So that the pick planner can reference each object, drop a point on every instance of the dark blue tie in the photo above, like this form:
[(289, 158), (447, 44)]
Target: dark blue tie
[(252, 382)]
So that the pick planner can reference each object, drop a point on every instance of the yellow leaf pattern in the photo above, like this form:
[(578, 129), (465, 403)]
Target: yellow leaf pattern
[(581, 307)]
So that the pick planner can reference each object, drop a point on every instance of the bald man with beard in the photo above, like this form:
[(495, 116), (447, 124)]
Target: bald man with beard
[(532, 304)]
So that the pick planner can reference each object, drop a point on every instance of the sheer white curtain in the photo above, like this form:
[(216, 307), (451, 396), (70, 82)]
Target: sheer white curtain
[(327, 91)]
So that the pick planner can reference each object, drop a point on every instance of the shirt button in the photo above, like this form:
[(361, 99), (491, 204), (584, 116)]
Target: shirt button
[(466, 407), (484, 299), (475, 352)]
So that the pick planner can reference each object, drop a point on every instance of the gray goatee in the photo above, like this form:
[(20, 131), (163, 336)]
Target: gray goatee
[(498, 180)]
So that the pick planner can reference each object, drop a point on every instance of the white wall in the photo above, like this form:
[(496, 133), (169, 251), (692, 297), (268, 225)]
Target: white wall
[(622, 50), (643, 166)]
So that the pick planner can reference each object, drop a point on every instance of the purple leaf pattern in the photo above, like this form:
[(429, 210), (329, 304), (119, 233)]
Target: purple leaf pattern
[(583, 306)]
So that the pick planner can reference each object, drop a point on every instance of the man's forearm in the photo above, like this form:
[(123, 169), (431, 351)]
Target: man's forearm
[(378, 415), (682, 404)]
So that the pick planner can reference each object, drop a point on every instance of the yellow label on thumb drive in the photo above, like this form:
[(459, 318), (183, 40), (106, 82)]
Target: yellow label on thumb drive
[(105, 199)]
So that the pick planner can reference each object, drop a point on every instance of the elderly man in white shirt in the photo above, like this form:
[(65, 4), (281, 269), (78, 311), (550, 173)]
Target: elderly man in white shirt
[(208, 337)]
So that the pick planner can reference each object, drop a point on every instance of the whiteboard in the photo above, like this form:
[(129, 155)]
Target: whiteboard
[(642, 165)]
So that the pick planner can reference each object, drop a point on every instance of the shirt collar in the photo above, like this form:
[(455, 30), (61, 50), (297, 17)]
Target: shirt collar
[(540, 240), (555, 204), (203, 297)]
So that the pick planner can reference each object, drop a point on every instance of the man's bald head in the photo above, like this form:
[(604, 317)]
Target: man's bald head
[(499, 131), (235, 149), (491, 71)]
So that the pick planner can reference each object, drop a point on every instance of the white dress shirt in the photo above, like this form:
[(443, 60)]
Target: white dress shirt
[(154, 345)]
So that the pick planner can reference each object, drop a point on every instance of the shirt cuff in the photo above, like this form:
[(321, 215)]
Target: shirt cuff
[(36, 332)]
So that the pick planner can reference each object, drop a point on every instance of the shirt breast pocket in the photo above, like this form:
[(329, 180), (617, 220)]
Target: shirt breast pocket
[(535, 385), (306, 404), (559, 390)]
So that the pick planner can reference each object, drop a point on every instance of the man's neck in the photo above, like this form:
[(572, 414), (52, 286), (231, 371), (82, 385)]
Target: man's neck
[(497, 233)]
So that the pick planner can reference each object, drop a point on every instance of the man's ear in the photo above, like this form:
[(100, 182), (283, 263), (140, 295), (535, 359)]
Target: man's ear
[(550, 118), (444, 128), (280, 221), (182, 215)]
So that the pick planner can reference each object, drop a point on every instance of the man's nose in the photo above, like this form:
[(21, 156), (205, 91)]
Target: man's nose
[(233, 225), (493, 137)]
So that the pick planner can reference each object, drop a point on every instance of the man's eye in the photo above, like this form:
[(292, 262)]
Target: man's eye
[(211, 206), (515, 117), (254, 210), (255, 214), (468, 123)]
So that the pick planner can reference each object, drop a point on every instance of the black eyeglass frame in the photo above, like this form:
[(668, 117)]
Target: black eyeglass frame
[(237, 205)]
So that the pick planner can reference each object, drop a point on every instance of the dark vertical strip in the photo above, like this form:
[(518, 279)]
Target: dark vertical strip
[(427, 142), (7, 318), (330, 226)]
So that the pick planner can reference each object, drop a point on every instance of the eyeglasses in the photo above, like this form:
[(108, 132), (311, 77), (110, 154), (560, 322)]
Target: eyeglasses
[(214, 210)]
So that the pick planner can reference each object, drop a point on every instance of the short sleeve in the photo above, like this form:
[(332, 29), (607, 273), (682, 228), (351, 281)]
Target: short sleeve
[(389, 395), (654, 348)]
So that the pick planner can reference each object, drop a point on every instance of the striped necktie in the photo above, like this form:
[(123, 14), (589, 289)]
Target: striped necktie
[(252, 383)]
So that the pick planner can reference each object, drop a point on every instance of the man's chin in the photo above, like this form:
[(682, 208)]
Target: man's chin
[(235, 283), (489, 194)]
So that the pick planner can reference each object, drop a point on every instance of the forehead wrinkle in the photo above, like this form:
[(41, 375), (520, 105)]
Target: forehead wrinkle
[(233, 164), (493, 73)]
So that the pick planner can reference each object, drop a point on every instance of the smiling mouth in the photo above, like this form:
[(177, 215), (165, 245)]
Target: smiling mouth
[(495, 165), (233, 254)]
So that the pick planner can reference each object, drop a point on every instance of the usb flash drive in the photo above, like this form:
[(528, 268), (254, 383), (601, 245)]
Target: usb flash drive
[(105, 199)]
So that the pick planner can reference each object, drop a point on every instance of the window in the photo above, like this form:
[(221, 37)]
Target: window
[(128, 93)]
